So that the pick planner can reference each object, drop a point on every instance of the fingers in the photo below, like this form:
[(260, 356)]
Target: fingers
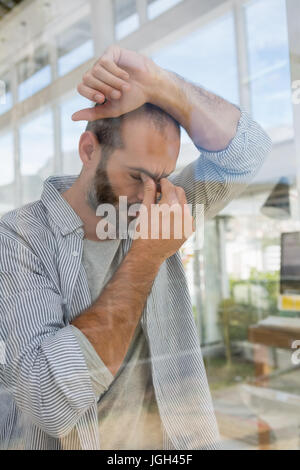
[(96, 90), (169, 194), (90, 93), (181, 195), (149, 190), (105, 78), (108, 62), (106, 83), (173, 192), (106, 66), (187, 219)]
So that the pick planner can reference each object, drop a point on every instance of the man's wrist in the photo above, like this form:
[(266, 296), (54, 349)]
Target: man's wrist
[(161, 82), (145, 257), (168, 92)]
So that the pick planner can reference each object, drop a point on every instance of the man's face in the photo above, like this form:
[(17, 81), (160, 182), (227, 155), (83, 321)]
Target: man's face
[(146, 151)]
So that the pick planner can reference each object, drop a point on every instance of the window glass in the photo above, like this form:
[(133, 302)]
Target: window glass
[(75, 46), (5, 94), (269, 68), (126, 17), (34, 73), (214, 67), (36, 154), (234, 278), (157, 7), (71, 132), (7, 173)]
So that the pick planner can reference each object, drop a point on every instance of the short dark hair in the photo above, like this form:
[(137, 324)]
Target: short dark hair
[(109, 130)]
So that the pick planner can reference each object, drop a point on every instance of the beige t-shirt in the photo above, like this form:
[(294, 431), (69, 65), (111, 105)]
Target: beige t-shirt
[(127, 410)]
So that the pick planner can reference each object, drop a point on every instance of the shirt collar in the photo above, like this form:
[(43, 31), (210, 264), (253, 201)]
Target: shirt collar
[(58, 208)]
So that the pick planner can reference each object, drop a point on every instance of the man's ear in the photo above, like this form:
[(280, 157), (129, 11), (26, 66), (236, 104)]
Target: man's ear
[(89, 150)]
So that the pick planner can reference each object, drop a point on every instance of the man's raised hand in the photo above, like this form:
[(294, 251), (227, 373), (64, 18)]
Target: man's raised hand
[(123, 78)]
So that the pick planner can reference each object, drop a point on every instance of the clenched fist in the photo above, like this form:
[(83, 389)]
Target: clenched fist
[(121, 81)]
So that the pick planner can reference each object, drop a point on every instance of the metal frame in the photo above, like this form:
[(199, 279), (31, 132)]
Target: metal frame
[(293, 10), (242, 54)]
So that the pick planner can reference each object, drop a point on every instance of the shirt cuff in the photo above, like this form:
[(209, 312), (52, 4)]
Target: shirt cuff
[(100, 375), (236, 146)]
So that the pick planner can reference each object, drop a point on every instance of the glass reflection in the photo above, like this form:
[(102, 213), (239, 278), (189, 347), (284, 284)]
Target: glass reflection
[(7, 174), (157, 7), (269, 65), (126, 18), (75, 46), (5, 93), (34, 73), (36, 154), (71, 132)]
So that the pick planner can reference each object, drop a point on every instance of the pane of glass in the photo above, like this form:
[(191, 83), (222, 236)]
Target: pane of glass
[(5, 94), (71, 132), (7, 174), (271, 101), (157, 7), (75, 46), (234, 278), (213, 66), (34, 73), (36, 155), (269, 69), (126, 18)]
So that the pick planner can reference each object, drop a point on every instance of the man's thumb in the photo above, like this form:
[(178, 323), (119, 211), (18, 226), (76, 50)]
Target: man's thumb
[(88, 114), (149, 190)]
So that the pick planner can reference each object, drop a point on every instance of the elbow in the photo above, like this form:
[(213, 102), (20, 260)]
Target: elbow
[(54, 405), (264, 141), (56, 421), (261, 148), (257, 148), (268, 143)]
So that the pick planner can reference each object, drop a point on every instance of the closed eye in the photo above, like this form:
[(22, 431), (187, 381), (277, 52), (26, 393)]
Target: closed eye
[(137, 178)]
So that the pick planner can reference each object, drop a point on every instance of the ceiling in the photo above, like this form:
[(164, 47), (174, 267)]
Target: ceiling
[(7, 5)]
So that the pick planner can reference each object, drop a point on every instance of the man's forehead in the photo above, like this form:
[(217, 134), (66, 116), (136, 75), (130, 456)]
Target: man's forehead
[(150, 132), (148, 142)]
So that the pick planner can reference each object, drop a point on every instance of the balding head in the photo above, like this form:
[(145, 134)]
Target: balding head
[(109, 130)]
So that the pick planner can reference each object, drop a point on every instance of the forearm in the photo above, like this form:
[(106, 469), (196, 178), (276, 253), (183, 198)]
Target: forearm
[(110, 322), (210, 120)]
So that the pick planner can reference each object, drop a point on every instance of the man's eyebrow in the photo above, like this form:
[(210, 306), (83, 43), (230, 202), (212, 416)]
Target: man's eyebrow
[(143, 170)]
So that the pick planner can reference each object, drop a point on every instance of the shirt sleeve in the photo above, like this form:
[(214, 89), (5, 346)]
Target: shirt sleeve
[(215, 178), (100, 375), (44, 369)]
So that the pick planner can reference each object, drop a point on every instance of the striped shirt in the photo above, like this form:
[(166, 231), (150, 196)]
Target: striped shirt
[(129, 395), (47, 396)]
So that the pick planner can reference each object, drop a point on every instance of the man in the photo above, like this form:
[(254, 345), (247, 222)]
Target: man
[(101, 348)]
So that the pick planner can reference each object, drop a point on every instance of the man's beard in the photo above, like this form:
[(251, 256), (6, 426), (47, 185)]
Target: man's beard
[(101, 192)]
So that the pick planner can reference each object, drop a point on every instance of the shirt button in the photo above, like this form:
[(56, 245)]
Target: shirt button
[(75, 254), (64, 301), (79, 231)]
